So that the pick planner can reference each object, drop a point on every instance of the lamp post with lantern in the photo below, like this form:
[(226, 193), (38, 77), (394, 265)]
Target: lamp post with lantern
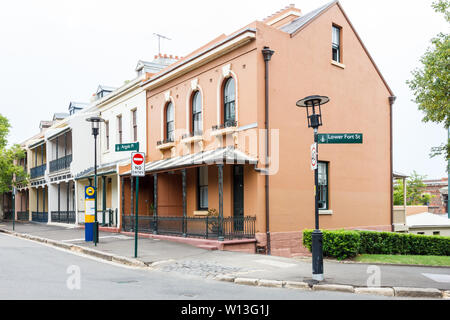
[(95, 130), (314, 117)]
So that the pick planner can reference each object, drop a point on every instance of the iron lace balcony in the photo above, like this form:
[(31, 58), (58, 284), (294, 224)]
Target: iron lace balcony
[(61, 163), (37, 172)]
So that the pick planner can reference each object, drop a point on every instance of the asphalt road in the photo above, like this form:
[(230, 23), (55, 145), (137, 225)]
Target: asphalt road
[(30, 270)]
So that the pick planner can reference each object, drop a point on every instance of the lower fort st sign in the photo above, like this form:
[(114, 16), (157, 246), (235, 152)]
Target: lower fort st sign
[(341, 138)]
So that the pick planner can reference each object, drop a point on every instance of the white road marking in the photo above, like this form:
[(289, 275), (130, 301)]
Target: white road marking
[(276, 263), (441, 278), (104, 237)]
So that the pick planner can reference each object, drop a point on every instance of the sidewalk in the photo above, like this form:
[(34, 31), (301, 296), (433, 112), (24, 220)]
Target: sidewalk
[(192, 261)]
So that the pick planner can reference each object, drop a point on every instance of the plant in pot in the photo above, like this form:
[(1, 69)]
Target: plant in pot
[(213, 221)]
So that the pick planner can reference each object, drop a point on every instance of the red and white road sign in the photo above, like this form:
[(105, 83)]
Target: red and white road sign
[(314, 156), (138, 159), (138, 164)]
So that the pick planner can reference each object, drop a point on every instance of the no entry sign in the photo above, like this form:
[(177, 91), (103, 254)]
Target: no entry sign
[(138, 164), (314, 156)]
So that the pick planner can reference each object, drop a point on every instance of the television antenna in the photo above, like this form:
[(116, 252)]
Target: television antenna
[(160, 36)]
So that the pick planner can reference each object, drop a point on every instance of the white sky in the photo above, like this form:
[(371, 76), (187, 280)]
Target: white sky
[(53, 52)]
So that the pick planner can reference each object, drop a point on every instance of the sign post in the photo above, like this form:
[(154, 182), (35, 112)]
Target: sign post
[(137, 170), (89, 217)]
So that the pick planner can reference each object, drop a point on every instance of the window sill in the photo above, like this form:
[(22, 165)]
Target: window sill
[(192, 139), (200, 213), (223, 132), (337, 64), (325, 212), (166, 146)]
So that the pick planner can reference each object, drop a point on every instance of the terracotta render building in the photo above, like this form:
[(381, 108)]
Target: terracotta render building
[(207, 115)]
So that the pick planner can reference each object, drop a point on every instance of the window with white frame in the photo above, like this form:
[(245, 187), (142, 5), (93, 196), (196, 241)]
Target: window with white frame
[(336, 44), (134, 123)]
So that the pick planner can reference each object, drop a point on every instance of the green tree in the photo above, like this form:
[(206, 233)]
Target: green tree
[(9, 158), (415, 191), (431, 83)]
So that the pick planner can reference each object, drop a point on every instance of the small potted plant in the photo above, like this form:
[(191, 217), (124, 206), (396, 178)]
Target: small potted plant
[(213, 224)]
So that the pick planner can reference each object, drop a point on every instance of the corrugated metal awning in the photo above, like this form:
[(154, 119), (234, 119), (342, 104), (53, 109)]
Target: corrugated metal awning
[(227, 155)]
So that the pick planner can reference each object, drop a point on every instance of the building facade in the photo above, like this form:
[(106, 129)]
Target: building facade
[(206, 125), (227, 150), (439, 196)]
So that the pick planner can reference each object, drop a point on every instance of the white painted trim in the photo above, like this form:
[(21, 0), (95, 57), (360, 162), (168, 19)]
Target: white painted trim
[(287, 14), (249, 126), (219, 95), (193, 88), (202, 59), (163, 110), (337, 64)]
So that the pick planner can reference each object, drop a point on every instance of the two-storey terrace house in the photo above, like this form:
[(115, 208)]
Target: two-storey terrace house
[(124, 112), (207, 119)]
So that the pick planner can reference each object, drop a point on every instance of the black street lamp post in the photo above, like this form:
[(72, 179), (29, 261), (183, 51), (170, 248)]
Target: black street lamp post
[(95, 128), (314, 117)]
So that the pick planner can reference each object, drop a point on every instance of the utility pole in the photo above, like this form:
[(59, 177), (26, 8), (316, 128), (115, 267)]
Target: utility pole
[(160, 36)]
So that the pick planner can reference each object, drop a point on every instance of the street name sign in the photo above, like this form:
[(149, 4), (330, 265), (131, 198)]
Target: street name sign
[(341, 138), (138, 164), (127, 147)]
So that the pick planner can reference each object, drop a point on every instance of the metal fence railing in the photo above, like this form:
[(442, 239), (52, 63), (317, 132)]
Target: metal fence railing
[(63, 217), (195, 227), (39, 217), (107, 218), (7, 215), (23, 216)]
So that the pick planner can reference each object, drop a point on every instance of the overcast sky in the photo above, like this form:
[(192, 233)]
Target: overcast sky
[(54, 52)]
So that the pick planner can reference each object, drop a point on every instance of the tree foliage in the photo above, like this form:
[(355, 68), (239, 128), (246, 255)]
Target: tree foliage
[(431, 83), (415, 191), (10, 172)]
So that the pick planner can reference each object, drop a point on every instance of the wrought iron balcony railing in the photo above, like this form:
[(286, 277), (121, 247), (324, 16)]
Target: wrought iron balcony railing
[(192, 134), (226, 124), (160, 143), (61, 163), (37, 172)]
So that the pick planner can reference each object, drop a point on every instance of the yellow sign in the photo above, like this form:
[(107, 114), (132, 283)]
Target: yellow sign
[(90, 191)]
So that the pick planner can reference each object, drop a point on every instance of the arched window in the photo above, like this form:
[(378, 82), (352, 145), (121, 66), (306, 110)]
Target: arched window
[(197, 123), (170, 124), (229, 103)]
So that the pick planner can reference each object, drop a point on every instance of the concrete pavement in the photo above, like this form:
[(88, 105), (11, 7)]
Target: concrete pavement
[(184, 259)]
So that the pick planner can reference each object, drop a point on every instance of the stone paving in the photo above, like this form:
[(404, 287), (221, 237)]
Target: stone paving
[(199, 268)]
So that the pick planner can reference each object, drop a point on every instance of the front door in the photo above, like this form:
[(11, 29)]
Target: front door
[(238, 197)]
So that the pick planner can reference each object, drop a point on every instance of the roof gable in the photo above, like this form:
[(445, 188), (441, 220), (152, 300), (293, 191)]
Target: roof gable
[(299, 24)]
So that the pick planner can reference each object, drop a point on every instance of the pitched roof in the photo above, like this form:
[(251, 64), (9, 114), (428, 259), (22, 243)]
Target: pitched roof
[(105, 88), (299, 23), (428, 219)]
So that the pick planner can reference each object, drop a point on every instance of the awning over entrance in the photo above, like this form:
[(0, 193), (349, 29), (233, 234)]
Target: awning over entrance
[(227, 155), (105, 169), (218, 156)]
